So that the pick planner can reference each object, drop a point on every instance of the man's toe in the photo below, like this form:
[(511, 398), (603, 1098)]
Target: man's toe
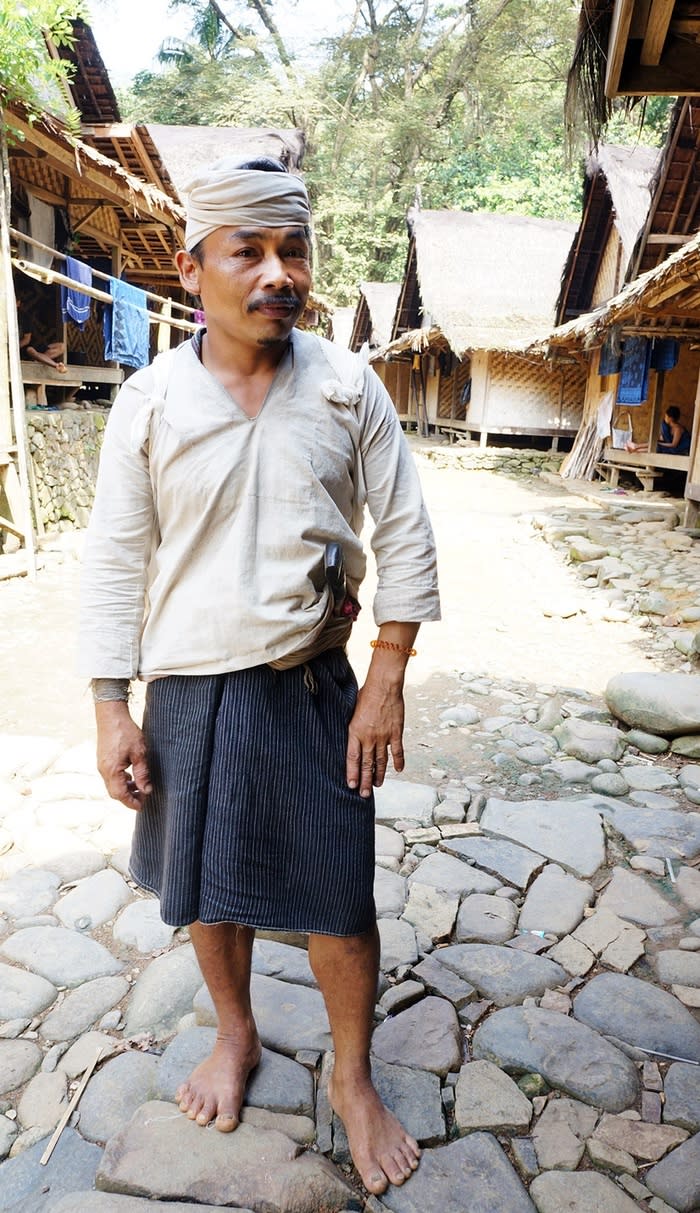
[(226, 1122)]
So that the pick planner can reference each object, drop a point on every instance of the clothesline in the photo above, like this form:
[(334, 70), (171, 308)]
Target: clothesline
[(95, 273), (53, 277)]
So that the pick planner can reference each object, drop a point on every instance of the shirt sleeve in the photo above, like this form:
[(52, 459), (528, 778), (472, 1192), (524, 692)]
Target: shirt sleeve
[(120, 539), (402, 542)]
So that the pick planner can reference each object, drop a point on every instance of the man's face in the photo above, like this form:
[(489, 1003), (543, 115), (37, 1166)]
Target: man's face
[(253, 282)]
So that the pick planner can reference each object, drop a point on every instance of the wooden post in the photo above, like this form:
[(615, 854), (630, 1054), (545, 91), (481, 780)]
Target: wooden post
[(657, 411), (16, 486)]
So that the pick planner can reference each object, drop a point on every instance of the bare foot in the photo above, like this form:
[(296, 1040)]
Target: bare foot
[(215, 1090), (382, 1151)]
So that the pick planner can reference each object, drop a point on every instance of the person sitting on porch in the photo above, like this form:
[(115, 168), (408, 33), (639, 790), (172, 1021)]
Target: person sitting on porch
[(674, 438), (51, 353)]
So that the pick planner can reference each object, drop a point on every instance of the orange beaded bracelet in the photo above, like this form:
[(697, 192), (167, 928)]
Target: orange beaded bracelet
[(396, 648)]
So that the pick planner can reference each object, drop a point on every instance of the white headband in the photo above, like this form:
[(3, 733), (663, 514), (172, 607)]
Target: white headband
[(226, 196)]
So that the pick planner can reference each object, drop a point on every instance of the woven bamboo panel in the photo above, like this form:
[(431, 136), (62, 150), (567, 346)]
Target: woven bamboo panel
[(528, 394), (88, 341), (450, 403), (606, 282), (38, 173)]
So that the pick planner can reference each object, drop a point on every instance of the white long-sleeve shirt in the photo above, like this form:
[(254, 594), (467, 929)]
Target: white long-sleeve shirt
[(204, 552)]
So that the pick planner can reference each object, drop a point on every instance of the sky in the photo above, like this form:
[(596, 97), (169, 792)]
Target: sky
[(129, 32)]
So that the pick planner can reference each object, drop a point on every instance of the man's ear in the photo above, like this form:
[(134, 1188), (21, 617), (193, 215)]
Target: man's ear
[(188, 269)]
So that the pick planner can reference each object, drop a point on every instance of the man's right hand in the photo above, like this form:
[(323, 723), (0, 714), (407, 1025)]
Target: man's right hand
[(121, 754)]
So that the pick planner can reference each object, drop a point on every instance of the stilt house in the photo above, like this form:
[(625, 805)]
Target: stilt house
[(477, 291), (663, 338)]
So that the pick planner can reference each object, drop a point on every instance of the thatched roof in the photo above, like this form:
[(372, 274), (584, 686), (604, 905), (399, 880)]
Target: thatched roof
[(670, 290), (487, 281), (632, 50), (185, 149), (373, 320), (629, 173), (617, 192), (341, 325)]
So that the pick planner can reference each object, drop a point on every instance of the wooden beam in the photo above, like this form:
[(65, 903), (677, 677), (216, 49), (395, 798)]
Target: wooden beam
[(668, 238), (112, 189), (617, 45), (656, 31), (678, 73)]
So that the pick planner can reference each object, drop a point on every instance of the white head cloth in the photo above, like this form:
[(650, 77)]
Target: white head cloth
[(224, 195)]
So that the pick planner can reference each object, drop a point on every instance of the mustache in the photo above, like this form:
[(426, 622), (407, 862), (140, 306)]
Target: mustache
[(284, 300)]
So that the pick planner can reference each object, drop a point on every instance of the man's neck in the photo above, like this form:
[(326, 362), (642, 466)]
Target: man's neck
[(245, 371)]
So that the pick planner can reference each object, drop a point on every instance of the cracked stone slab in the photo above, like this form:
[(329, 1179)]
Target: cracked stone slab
[(504, 975), (676, 1179), (664, 831), (635, 899), (682, 1096), (474, 1164), (644, 1141), (398, 800), (488, 1099), (278, 1083), (289, 1017), (503, 860), (567, 831), (430, 911), (561, 1133), (580, 1192), (163, 1154), (555, 902), (570, 1056), (452, 875), (426, 1036), (640, 1014)]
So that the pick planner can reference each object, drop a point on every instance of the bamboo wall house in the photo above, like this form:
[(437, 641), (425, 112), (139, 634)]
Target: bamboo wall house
[(665, 338), (477, 291)]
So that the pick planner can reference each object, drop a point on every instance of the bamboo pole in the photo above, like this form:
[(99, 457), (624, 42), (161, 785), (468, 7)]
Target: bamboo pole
[(18, 417), (54, 278)]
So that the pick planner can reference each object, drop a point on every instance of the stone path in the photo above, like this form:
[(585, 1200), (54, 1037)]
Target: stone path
[(538, 1007), (538, 1015)]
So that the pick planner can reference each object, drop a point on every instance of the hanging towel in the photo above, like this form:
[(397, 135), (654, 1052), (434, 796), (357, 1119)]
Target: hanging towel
[(665, 353), (75, 305), (163, 339), (42, 227), (633, 387), (126, 325)]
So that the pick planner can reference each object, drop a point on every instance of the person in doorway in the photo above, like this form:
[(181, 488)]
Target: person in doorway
[(228, 468), (674, 438)]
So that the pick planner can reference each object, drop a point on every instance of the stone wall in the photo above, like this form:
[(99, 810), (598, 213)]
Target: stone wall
[(64, 448), (513, 461)]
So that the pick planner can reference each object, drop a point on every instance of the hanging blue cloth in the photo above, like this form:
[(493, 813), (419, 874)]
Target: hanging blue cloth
[(610, 356), (75, 305), (665, 353), (126, 325), (633, 386)]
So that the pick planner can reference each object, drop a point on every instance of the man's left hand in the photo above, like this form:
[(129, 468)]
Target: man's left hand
[(376, 727)]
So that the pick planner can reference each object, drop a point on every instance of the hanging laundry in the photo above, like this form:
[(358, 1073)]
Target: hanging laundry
[(75, 305), (665, 353), (126, 325), (610, 355), (42, 227), (633, 386)]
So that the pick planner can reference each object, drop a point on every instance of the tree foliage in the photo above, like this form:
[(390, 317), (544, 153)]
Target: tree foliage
[(461, 102), (28, 74)]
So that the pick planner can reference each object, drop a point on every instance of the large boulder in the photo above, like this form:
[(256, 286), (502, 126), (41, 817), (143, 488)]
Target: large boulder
[(665, 704)]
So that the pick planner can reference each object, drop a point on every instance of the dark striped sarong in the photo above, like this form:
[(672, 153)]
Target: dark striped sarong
[(250, 819)]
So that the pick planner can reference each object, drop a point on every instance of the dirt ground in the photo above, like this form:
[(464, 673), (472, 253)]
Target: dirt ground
[(497, 577)]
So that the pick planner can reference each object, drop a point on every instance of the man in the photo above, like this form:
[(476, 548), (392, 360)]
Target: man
[(227, 468)]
